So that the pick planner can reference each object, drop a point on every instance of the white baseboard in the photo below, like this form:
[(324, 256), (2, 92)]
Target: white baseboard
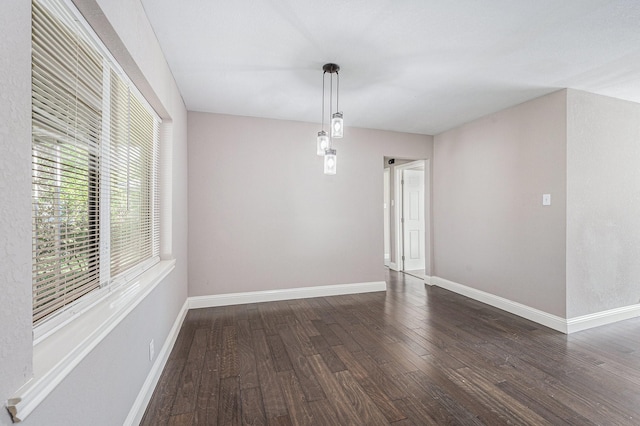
[(524, 311), (393, 266), (597, 319), (563, 325), (284, 294), (144, 396), (427, 280)]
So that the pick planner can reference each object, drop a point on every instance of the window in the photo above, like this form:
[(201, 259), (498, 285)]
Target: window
[(94, 167)]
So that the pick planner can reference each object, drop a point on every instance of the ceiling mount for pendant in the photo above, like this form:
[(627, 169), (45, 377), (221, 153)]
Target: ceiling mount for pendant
[(331, 68)]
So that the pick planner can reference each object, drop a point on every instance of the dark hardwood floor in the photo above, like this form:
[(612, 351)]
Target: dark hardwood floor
[(414, 355)]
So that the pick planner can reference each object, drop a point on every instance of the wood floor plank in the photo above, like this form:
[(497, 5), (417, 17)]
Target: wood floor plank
[(367, 410), (387, 407), (345, 338), (183, 341), (272, 397), (345, 413), (328, 355), (323, 310), (281, 361), (215, 339), (362, 366), (446, 406), (297, 405), (252, 407), (185, 419), (192, 372), (229, 402), (229, 355), (308, 381), (509, 408), (547, 408), (268, 318), (159, 408), (280, 421), (323, 412), (206, 411), (247, 369), (418, 413), (255, 320), (305, 315), (326, 332), (298, 335), (378, 389)]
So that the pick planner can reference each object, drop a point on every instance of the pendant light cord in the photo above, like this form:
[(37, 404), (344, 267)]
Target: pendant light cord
[(338, 92), (331, 96), (331, 109), (323, 100)]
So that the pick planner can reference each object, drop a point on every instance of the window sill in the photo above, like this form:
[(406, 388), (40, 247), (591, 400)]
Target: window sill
[(56, 355)]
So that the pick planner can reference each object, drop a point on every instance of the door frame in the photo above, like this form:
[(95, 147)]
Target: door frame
[(386, 175), (398, 201)]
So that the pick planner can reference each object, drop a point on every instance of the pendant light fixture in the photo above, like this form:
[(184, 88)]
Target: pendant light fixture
[(336, 125), (324, 141), (330, 162)]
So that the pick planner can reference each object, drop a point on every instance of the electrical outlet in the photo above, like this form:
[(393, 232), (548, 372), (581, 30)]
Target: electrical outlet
[(151, 350)]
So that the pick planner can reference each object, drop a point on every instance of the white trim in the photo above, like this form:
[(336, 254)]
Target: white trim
[(563, 325), (144, 396), (196, 302), (386, 185), (393, 266), (427, 280), (535, 315), (165, 181), (597, 319), (398, 194), (55, 356), (397, 215)]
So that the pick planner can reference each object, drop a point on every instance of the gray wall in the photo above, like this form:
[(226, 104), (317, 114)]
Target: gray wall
[(263, 216), (102, 389), (15, 198), (490, 229), (603, 203)]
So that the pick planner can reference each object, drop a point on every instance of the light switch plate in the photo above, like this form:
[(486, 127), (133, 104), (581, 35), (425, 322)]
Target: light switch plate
[(546, 199)]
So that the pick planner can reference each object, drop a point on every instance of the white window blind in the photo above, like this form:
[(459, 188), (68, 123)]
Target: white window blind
[(94, 153), (67, 122), (133, 174)]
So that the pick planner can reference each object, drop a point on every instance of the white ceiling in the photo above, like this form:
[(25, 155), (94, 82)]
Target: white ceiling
[(421, 66)]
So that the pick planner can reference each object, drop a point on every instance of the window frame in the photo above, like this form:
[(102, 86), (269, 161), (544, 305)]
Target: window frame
[(108, 285)]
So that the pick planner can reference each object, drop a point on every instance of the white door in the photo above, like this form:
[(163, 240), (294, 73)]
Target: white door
[(413, 219)]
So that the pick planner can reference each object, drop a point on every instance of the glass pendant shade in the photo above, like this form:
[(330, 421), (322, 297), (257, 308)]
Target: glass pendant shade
[(337, 125), (323, 142), (330, 162)]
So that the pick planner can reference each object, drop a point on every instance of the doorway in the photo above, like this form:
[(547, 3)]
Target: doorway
[(387, 216), (411, 218)]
